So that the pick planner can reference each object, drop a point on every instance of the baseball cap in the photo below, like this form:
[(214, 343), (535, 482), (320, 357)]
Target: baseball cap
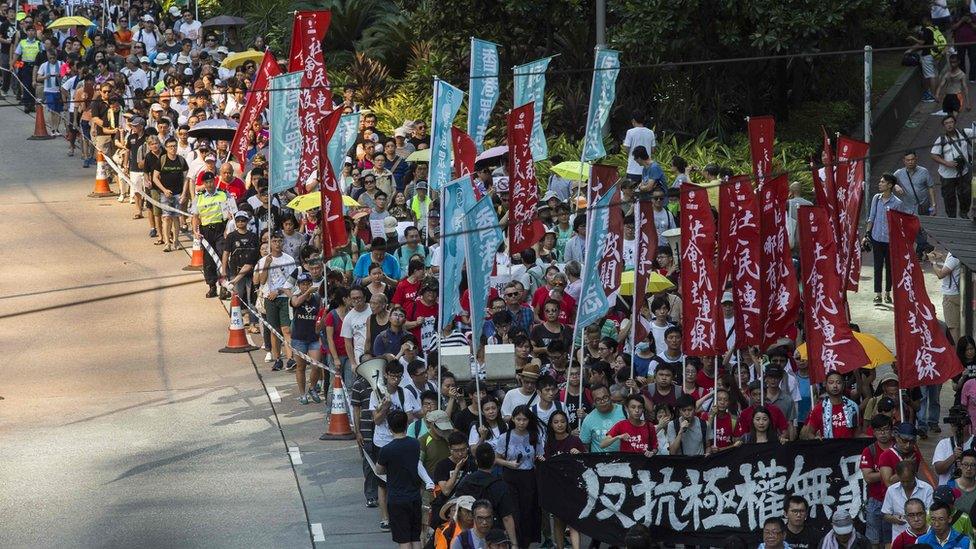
[(208, 176), (148, 18), (137, 121), (223, 50), (422, 184), (886, 404), (842, 523), (727, 297), (906, 430), (210, 158), (945, 494), (156, 107), (144, 59), (304, 277), (173, 10), (439, 419), (399, 132), (390, 224), (242, 214)]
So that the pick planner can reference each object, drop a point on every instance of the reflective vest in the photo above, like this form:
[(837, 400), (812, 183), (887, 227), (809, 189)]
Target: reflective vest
[(29, 50), (210, 207)]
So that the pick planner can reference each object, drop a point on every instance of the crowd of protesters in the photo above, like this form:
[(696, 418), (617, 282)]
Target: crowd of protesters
[(458, 460)]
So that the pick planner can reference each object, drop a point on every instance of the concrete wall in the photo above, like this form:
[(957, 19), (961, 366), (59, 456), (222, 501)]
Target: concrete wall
[(894, 109)]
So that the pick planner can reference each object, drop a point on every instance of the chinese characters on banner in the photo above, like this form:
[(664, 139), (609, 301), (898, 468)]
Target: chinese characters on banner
[(606, 67), (483, 90), (850, 194), (333, 226), (644, 262), (286, 139), (740, 249), (314, 103), (924, 355), (257, 101), (602, 177), (483, 238), (702, 328), (464, 157), (762, 131), (530, 87), (457, 198), (525, 228), (304, 29), (343, 139), (831, 345), (593, 302), (824, 186), (447, 101), (780, 294)]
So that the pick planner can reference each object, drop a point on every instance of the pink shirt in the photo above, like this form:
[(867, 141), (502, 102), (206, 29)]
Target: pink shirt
[(968, 398)]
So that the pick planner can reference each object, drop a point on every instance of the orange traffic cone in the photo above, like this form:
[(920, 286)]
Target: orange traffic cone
[(236, 338), (338, 416), (196, 258), (40, 129), (101, 189)]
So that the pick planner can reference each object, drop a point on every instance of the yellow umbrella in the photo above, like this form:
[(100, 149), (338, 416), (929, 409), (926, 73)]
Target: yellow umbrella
[(306, 202), (877, 352), (422, 155), (237, 59), (68, 22), (350, 201), (656, 282), (572, 170)]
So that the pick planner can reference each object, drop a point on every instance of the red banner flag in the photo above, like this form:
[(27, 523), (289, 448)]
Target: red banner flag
[(314, 103), (850, 196), (308, 27), (464, 155), (924, 355), (762, 132), (525, 229), (602, 178), (644, 254), (257, 101), (823, 184), (831, 345), (333, 228), (780, 294), (739, 251), (702, 327)]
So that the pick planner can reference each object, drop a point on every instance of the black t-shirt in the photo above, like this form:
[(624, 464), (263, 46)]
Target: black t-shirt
[(150, 165), (464, 419), (542, 337), (132, 144), (926, 36), (303, 321), (480, 484), (442, 471), (243, 249), (401, 457), (172, 173), (99, 109), (808, 538), (416, 142), (7, 31)]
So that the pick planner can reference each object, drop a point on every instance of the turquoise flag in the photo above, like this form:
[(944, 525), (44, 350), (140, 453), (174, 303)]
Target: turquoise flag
[(343, 139), (447, 101), (286, 137), (482, 89), (484, 236), (593, 302), (602, 93), (457, 197), (530, 86)]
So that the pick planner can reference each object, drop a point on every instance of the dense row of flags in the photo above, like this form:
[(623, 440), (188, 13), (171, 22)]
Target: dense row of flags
[(747, 250)]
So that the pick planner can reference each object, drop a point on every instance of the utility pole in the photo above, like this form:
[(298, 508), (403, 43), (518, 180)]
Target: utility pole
[(601, 23)]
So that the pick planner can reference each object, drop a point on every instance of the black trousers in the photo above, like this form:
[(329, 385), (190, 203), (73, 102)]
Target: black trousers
[(957, 191), (214, 236), (25, 74), (882, 261), (525, 495)]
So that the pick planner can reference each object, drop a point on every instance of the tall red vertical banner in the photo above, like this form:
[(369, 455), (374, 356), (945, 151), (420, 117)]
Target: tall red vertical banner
[(464, 157), (924, 355), (780, 293), (644, 260), (315, 97), (257, 100), (602, 178), (824, 188), (333, 225), (762, 132), (524, 227), (702, 327), (852, 154), (739, 251), (831, 345), (307, 27)]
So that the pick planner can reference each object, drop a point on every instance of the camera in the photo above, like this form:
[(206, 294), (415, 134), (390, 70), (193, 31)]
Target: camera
[(958, 416), (960, 163)]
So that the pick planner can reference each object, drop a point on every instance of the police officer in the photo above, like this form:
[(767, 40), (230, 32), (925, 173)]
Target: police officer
[(211, 209), (26, 57)]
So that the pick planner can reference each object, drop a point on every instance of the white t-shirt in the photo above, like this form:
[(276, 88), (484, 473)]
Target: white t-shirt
[(190, 30), (515, 398), (474, 436), (354, 327), (664, 220), (381, 431), (51, 74), (278, 274), (943, 450), (950, 284), (630, 253), (949, 148), (69, 84), (638, 137), (940, 9)]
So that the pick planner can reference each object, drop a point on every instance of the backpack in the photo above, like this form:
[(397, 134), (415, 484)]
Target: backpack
[(939, 43)]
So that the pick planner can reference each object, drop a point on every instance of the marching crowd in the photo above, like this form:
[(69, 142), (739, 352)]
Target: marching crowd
[(453, 462)]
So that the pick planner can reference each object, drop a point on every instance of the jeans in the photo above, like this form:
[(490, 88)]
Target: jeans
[(928, 414), (957, 190), (882, 262), (876, 529)]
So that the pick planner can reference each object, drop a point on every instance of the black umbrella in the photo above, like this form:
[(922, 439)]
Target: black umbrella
[(225, 21)]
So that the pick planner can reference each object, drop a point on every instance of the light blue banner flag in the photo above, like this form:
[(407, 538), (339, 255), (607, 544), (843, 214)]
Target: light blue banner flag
[(602, 93), (458, 196), (530, 85), (593, 302), (482, 89), (447, 101), (342, 140), (286, 137), (484, 236)]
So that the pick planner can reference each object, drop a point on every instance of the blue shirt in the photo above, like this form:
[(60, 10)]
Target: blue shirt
[(595, 427), (653, 172), (391, 267), (879, 216), (803, 407), (955, 541)]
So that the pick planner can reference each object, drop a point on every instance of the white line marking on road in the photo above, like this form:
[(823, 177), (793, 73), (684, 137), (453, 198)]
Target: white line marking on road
[(296, 455), (317, 534), (273, 394)]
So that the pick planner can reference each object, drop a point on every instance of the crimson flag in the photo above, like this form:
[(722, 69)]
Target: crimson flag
[(831, 345), (308, 27), (257, 101), (602, 178), (702, 327), (924, 355), (780, 294), (525, 228), (853, 154), (762, 131), (464, 155), (314, 103), (644, 254), (333, 228), (739, 251), (824, 188)]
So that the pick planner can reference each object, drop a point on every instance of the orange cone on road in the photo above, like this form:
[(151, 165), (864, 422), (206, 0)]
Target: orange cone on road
[(101, 190), (40, 129), (338, 416), (196, 258), (237, 339)]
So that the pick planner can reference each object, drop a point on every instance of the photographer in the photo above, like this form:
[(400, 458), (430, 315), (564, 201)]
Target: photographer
[(949, 450), (953, 153)]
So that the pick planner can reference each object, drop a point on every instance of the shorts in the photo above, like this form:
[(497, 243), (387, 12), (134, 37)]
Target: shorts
[(927, 63), (172, 202), (950, 311), (306, 346), (154, 194), (404, 521), (876, 529), (277, 312), (52, 100), (137, 182), (104, 143)]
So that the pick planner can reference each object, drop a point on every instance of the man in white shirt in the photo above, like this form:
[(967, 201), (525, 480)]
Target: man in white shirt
[(138, 79), (525, 393), (637, 136), (953, 153), (893, 508), (189, 28), (48, 74), (354, 327), (949, 273)]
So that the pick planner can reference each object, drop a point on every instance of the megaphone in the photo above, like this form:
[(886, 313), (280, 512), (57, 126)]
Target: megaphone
[(373, 371)]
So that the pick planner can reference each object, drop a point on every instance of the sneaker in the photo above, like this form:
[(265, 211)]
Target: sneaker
[(278, 365), (928, 98), (153, 233), (268, 358), (371, 503), (212, 292), (314, 395), (303, 399), (290, 365), (385, 525), (121, 198)]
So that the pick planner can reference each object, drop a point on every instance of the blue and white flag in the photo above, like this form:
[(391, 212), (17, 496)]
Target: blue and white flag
[(342, 140), (286, 137), (457, 197), (482, 89), (602, 93), (447, 101), (593, 302), (530, 86), (484, 236)]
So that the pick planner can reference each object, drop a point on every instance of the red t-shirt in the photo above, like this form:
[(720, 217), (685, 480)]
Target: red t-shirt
[(891, 458), (567, 305), (416, 310), (775, 415), (406, 292), (839, 421), (335, 321), (235, 187), (642, 438), (905, 539), (725, 425), (704, 381), (876, 490)]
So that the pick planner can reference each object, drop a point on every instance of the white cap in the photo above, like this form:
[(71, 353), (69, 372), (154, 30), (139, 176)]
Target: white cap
[(144, 59), (184, 59), (727, 297), (188, 71), (223, 50), (148, 18), (174, 10), (156, 107)]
